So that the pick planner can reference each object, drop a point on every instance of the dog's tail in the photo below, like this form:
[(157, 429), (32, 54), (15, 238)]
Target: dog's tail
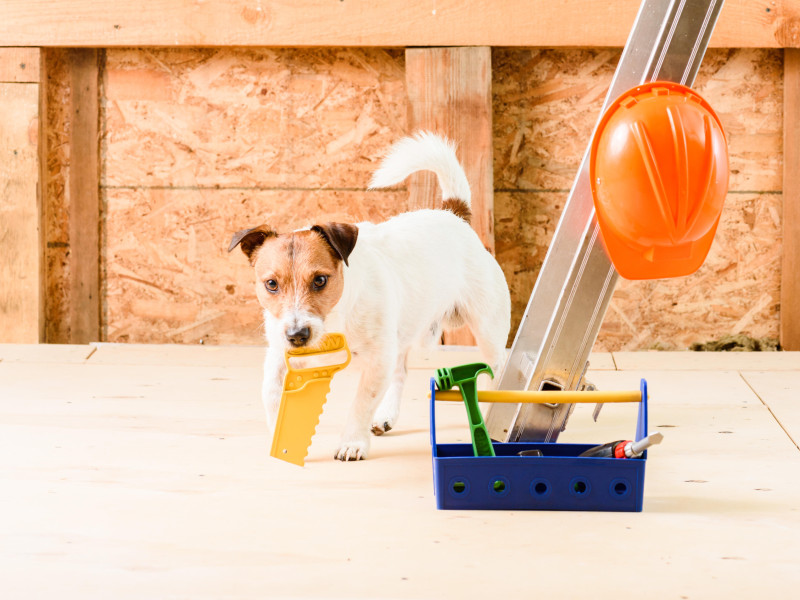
[(427, 151)]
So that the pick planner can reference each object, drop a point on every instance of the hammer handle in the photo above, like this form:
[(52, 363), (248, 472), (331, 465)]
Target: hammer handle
[(545, 397)]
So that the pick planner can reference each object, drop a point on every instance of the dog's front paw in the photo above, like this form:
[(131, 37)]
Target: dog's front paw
[(352, 450), (386, 415)]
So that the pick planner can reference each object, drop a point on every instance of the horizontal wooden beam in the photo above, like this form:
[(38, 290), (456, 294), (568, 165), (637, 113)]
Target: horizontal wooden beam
[(99, 23)]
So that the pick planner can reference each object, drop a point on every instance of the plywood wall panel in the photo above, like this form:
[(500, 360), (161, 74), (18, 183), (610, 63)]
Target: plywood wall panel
[(547, 103), (201, 143), (168, 274), (198, 143), (735, 291), (745, 89), (262, 118), (525, 222)]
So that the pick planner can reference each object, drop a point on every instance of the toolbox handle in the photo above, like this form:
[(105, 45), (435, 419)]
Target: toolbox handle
[(641, 420)]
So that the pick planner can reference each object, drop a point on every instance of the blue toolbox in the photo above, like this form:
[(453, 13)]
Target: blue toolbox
[(546, 476)]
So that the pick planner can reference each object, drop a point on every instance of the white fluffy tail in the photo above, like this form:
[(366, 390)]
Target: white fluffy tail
[(425, 151)]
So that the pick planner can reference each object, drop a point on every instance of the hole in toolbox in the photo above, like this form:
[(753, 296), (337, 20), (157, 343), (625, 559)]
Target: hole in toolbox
[(499, 486), (540, 488), (579, 487), (620, 487), (459, 487)]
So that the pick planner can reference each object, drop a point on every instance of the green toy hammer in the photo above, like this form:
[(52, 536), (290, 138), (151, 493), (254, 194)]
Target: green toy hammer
[(465, 377)]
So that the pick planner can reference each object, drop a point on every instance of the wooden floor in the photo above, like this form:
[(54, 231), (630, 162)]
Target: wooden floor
[(143, 472)]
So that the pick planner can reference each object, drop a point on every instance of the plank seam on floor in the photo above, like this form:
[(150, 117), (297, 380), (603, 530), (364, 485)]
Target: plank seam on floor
[(774, 416)]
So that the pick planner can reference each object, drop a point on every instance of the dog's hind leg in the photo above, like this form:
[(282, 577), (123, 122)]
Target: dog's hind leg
[(492, 345), (389, 408), (490, 328)]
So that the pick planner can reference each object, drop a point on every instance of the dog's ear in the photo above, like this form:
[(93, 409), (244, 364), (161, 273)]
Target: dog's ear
[(340, 236), (251, 240)]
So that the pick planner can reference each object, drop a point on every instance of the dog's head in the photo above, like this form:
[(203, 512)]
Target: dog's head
[(299, 276)]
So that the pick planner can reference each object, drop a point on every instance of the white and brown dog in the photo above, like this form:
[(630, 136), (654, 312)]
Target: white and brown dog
[(387, 287)]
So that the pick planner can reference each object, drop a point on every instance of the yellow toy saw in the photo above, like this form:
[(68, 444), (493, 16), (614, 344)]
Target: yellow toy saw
[(305, 389)]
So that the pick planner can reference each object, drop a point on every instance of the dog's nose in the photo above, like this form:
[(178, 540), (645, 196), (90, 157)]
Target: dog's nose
[(298, 337)]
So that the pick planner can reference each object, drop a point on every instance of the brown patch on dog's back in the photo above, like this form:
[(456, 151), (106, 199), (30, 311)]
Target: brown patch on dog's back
[(458, 207)]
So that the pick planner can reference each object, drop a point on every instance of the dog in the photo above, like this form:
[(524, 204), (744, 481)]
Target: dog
[(388, 287)]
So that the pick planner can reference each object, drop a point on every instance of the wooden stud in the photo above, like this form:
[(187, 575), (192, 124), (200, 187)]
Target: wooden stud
[(450, 92), (20, 248), (42, 194), (790, 270), (84, 194)]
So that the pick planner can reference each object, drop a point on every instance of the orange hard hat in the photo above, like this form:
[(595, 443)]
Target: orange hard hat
[(659, 175)]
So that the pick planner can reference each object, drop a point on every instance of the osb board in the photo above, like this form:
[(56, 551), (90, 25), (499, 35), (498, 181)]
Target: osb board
[(737, 290), (19, 214), (546, 105), (169, 277), (266, 118), (524, 226), (201, 143), (56, 196), (547, 102)]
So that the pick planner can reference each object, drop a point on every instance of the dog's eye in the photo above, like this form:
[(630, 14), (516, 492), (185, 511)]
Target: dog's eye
[(271, 285), (320, 281)]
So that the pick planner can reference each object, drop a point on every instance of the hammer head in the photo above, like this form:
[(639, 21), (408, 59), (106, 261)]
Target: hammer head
[(448, 377)]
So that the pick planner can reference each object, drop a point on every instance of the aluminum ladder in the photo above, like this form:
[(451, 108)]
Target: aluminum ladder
[(560, 325)]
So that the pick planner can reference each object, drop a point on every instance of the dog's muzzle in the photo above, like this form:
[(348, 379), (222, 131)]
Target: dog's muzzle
[(298, 337)]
